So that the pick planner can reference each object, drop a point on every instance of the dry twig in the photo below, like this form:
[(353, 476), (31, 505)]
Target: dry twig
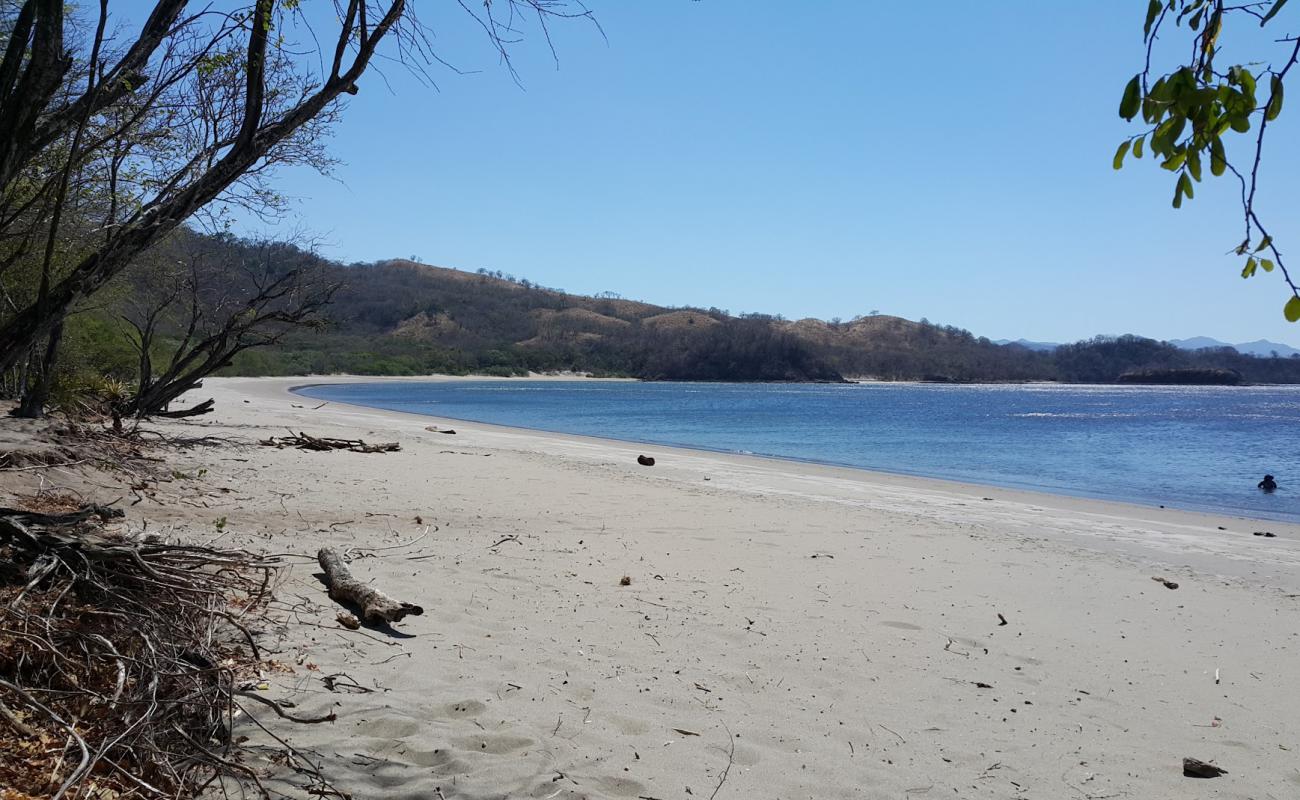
[(303, 441), (131, 649)]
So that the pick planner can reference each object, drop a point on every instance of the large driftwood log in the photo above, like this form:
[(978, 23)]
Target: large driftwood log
[(375, 605)]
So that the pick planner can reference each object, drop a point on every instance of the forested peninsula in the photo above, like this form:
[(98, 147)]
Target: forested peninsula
[(273, 308)]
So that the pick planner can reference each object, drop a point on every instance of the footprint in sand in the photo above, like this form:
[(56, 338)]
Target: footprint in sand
[(445, 760), (615, 786), (387, 728), (628, 725), (496, 745)]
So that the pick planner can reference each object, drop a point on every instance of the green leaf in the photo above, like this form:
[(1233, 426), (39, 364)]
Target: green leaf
[(1132, 100), (1272, 12), (1218, 160), (1247, 81), (1161, 142), (1292, 309), (1178, 193), (1137, 147), (1175, 161), (1187, 185), (1153, 11), (1265, 242), (1275, 100), (1194, 165), (1120, 153), (1249, 270), (1240, 124), (1176, 130), (1266, 264), (1155, 103)]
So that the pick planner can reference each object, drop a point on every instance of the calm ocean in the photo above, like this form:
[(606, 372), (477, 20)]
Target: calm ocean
[(1199, 448)]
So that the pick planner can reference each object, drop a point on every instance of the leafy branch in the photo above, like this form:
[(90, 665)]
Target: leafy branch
[(1191, 110)]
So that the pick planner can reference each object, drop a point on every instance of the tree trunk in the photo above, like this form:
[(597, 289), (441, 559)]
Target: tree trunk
[(25, 327), (39, 384)]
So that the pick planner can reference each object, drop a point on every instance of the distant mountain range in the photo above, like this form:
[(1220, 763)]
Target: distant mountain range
[(1042, 347), (1259, 347)]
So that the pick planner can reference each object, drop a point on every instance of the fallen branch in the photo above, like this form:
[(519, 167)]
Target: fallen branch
[(193, 411), (303, 441), (279, 710), (375, 606)]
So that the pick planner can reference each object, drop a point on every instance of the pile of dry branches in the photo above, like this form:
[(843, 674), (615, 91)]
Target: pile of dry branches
[(304, 442), (120, 658), (74, 442)]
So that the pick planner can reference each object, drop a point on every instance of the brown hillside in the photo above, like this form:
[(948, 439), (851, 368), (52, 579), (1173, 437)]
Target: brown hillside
[(675, 320), (578, 319), (425, 327), (862, 332)]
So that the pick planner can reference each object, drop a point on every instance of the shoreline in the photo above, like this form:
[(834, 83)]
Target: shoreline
[(727, 624), (1212, 543), (970, 487)]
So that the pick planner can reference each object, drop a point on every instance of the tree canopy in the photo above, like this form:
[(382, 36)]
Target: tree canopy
[(1200, 104), (114, 131)]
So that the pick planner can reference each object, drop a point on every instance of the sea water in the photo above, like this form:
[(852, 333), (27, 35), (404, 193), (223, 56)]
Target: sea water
[(1197, 448)]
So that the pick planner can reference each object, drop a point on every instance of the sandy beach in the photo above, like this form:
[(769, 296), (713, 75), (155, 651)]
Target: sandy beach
[(789, 630)]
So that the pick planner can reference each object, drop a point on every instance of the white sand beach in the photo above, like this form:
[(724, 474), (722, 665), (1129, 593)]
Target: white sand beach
[(789, 631)]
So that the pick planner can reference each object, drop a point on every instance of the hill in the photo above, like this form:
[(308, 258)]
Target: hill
[(401, 317)]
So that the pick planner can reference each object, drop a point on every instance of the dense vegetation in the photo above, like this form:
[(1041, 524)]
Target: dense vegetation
[(402, 318)]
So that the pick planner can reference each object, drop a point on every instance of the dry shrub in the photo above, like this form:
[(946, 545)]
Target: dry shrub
[(48, 501), (120, 658)]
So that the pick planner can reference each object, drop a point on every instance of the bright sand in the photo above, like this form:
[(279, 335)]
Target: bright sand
[(839, 628)]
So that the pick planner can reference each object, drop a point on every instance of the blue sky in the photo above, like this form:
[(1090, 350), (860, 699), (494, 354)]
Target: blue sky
[(943, 160)]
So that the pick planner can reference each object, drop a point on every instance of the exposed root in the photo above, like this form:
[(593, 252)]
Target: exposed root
[(120, 658)]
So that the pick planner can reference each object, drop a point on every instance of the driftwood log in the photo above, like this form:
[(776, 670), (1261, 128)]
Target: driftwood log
[(375, 606)]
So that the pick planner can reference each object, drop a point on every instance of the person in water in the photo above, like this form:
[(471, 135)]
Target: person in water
[(1268, 484)]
